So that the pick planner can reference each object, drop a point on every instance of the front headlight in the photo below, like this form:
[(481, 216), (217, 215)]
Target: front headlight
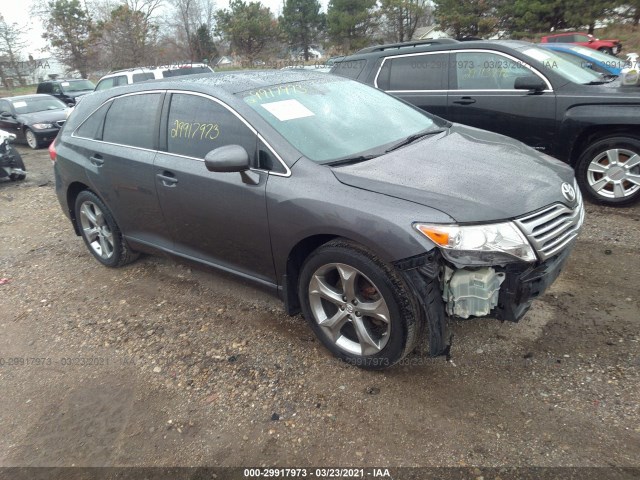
[(464, 242), (42, 126)]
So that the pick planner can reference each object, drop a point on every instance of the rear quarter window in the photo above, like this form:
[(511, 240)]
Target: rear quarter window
[(349, 68), (132, 120), (92, 127), (141, 77)]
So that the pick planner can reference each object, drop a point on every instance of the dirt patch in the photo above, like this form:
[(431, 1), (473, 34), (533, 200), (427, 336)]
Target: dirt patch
[(165, 363)]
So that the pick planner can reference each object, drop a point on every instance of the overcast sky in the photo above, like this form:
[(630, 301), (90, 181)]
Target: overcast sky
[(18, 11)]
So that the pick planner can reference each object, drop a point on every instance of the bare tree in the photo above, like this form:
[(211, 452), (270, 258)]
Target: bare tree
[(188, 17), (127, 32), (11, 43)]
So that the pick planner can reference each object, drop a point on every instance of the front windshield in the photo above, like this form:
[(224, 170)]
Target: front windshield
[(581, 62), (562, 66), (37, 104), (608, 60), (336, 119), (77, 85)]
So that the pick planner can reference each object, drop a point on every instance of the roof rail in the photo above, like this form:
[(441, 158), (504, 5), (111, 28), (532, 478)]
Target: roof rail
[(417, 43)]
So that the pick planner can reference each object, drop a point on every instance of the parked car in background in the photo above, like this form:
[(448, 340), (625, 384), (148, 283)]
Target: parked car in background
[(597, 61), (33, 119), (611, 47), (135, 75), (67, 90), (372, 217), (523, 91)]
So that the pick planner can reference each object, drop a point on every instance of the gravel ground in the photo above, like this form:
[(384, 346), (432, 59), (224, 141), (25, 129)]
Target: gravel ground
[(163, 363)]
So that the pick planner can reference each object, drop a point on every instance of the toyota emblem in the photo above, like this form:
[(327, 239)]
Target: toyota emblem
[(568, 192)]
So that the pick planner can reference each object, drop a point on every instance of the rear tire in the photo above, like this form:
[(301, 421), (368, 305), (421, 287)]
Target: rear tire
[(358, 306), (608, 171), (18, 163), (100, 232), (606, 50)]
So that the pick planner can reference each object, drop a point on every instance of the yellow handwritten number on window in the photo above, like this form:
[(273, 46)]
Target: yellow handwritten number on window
[(195, 130)]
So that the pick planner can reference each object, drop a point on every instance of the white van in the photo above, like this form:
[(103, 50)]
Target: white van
[(135, 75)]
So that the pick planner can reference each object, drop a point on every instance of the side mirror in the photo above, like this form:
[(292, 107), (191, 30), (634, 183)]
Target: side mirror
[(530, 82), (6, 114), (230, 158)]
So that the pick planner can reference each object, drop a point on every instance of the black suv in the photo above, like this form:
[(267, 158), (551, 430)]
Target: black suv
[(523, 91), (66, 90)]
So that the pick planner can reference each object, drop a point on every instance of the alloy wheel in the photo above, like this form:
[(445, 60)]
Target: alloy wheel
[(349, 308), (96, 231), (615, 173)]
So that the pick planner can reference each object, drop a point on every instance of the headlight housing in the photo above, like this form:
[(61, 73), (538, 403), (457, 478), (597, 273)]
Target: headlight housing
[(488, 244), (42, 126)]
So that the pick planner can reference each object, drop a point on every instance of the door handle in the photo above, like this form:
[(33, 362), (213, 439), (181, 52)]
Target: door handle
[(168, 179), (97, 160), (465, 101)]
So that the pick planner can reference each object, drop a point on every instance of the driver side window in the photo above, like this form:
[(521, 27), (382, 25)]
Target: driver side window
[(197, 125), (487, 71)]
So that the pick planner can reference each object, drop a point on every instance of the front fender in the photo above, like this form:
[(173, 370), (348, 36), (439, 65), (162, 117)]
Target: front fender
[(581, 118)]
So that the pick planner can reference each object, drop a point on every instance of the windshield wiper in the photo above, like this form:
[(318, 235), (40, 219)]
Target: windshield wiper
[(413, 138), (351, 160)]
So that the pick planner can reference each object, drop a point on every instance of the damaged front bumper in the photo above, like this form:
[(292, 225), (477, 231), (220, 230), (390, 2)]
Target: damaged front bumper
[(503, 292)]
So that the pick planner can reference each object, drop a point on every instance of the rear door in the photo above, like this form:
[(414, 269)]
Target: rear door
[(419, 78), (217, 218), (482, 95), (118, 145)]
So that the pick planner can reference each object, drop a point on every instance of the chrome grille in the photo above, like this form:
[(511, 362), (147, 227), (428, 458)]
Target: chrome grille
[(553, 228)]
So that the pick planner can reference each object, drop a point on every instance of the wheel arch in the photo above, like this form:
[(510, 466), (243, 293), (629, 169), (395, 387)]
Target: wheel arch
[(295, 260), (595, 133), (73, 191)]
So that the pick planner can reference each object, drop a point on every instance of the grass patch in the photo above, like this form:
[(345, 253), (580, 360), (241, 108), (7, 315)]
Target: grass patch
[(14, 92), (629, 36)]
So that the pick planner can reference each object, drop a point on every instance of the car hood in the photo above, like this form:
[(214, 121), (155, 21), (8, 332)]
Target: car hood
[(47, 116), (78, 93), (470, 174)]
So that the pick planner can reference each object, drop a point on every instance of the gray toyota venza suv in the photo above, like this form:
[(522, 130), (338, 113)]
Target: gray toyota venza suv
[(374, 219)]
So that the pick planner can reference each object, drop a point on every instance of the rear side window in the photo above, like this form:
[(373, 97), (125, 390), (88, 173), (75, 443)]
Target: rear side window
[(131, 120), (349, 68), (177, 72), (198, 125), (104, 84), (416, 72), (44, 88), (92, 126), (141, 77)]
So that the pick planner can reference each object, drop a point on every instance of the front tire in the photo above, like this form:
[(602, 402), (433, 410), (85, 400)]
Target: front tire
[(31, 138), (608, 171), (358, 306), (100, 232)]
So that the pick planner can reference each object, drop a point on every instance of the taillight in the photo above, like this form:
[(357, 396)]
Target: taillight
[(52, 151)]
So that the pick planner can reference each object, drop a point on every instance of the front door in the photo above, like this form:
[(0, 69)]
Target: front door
[(218, 218), (482, 95)]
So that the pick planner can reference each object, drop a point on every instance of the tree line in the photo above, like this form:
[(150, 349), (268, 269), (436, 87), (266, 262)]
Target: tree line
[(99, 35)]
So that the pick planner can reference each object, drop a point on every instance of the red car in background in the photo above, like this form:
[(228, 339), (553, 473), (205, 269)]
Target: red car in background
[(612, 47)]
